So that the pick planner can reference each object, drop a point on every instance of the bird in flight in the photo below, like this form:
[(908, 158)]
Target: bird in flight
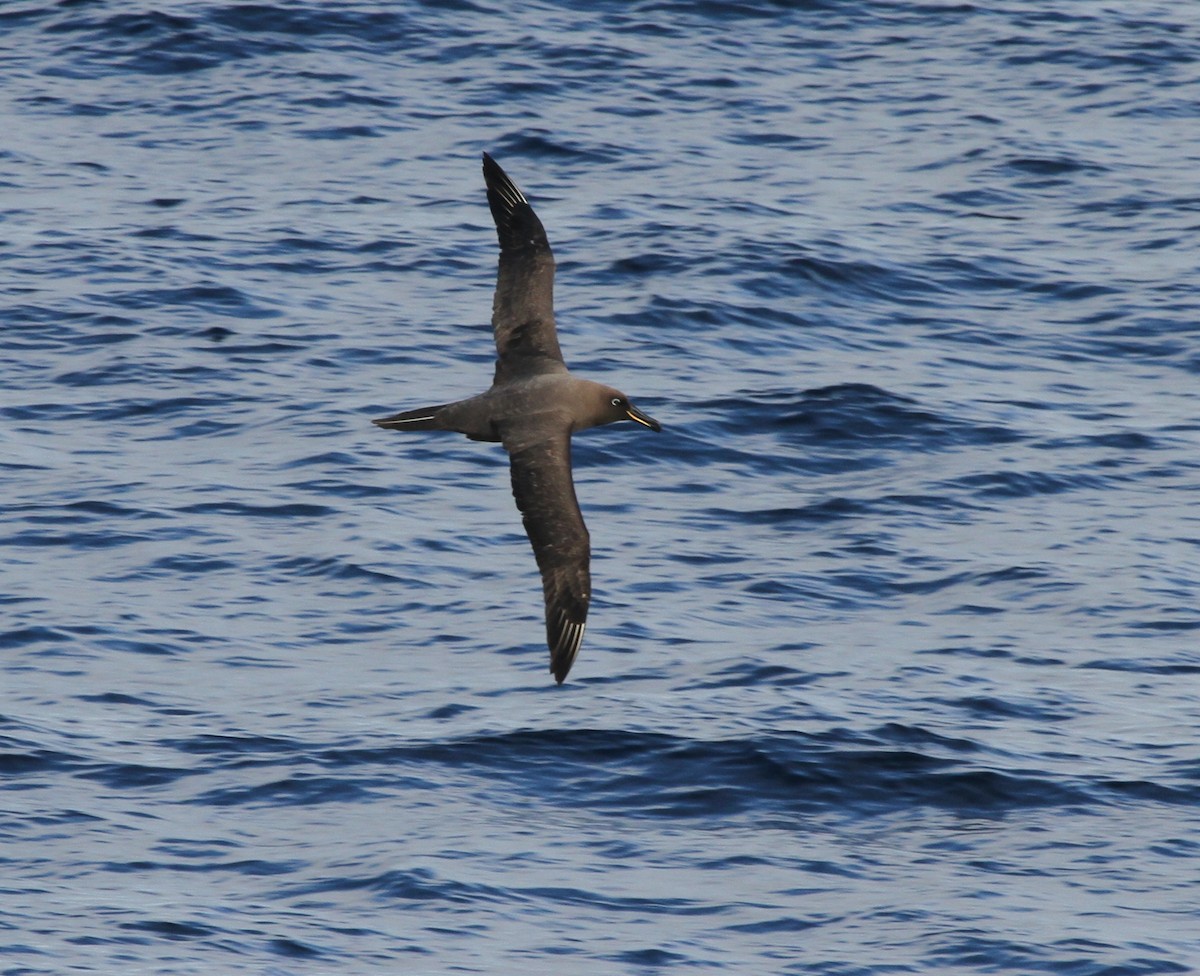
[(533, 407)]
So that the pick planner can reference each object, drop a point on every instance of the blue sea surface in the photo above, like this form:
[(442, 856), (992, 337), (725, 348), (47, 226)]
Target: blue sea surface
[(893, 664)]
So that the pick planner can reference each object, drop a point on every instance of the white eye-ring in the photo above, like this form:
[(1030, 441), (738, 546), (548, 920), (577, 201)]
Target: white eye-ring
[(616, 401)]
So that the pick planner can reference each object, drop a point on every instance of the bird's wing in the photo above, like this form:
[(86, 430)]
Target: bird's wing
[(523, 309), (545, 494)]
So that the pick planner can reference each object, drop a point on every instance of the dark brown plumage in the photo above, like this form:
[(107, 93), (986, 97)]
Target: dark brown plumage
[(533, 407)]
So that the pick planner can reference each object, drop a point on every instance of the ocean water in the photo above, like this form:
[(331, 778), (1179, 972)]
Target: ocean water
[(893, 664)]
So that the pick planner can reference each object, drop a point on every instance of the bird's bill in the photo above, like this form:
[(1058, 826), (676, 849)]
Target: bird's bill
[(633, 413)]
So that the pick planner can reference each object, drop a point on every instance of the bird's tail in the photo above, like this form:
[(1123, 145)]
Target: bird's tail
[(424, 419)]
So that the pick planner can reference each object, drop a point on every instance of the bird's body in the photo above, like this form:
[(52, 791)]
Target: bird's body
[(534, 402), (533, 407)]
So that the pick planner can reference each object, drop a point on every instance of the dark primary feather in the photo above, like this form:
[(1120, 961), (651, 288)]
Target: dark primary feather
[(545, 494), (523, 309)]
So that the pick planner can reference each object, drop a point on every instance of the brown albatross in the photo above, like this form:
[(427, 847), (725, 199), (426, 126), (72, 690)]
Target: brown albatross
[(533, 407)]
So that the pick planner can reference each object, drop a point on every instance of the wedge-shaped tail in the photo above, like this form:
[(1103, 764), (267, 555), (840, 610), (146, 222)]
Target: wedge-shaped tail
[(424, 419)]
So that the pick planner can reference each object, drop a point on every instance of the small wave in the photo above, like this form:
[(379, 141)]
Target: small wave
[(1049, 166), (1025, 484), (188, 564), (169, 929), (31, 636), (851, 414), (244, 510), (211, 299), (330, 568), (298, 790), (655, 775), (155, 43)]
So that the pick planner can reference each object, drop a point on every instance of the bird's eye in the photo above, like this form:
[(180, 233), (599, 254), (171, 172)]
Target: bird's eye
[(616, 401)]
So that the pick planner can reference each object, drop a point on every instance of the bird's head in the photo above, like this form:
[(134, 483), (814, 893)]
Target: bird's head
[(613, 405)]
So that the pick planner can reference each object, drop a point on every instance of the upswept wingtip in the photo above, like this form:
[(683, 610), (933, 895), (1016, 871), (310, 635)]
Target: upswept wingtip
[(501, 188), (565, 646)]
